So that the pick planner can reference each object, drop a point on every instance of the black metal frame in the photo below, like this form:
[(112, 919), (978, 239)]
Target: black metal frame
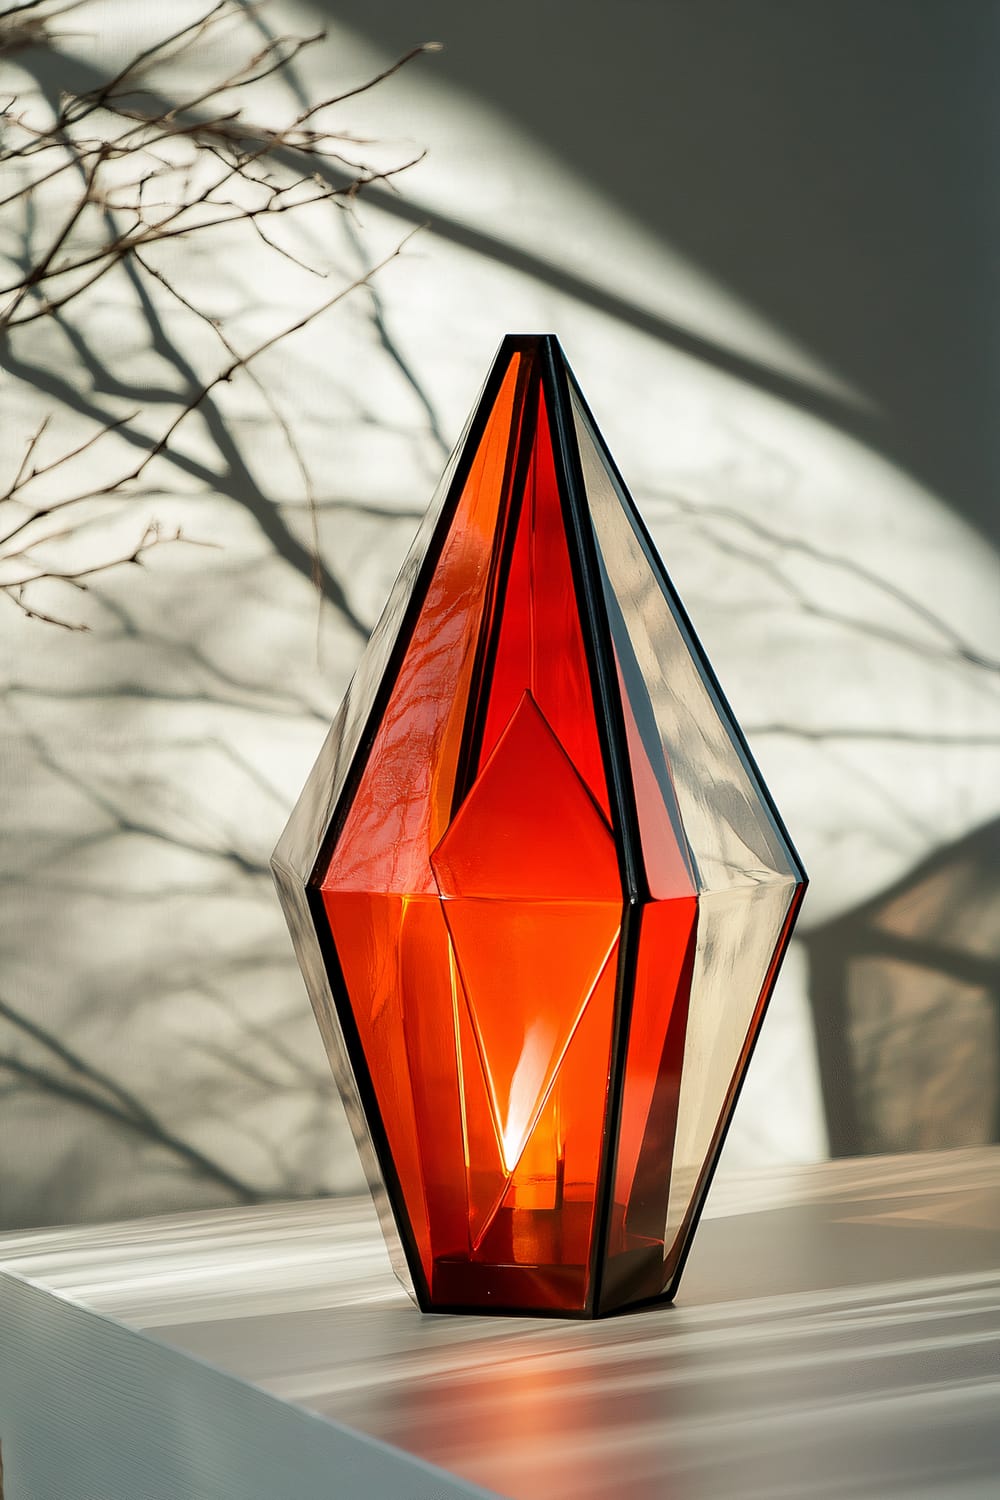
[(544, 375)]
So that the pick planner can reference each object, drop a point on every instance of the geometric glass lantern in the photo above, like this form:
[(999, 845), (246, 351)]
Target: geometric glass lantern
[(536, 885)]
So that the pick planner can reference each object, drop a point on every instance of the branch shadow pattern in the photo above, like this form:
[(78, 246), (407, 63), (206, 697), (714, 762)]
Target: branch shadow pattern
[(906, 1002), (238, 1054)]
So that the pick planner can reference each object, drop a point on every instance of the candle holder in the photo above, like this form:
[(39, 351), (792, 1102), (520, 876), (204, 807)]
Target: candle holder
[(537, 887)]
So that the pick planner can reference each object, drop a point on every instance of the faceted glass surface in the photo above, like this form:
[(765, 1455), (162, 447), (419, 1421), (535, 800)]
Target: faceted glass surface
[(549, 893), (744, 872)]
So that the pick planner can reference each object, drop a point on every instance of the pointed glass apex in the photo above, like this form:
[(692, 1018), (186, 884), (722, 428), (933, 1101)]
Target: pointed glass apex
[(538, 889)]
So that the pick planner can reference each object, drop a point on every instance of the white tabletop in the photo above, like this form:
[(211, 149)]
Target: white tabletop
[(837, 1334)]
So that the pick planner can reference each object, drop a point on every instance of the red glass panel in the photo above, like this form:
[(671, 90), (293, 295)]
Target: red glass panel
[(481, 976), (656, 1024), (540, 643), (661, 995), (379, 894)]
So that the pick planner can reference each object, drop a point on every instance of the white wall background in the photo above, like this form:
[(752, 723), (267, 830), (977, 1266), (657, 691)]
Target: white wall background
[(156, 1048)]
